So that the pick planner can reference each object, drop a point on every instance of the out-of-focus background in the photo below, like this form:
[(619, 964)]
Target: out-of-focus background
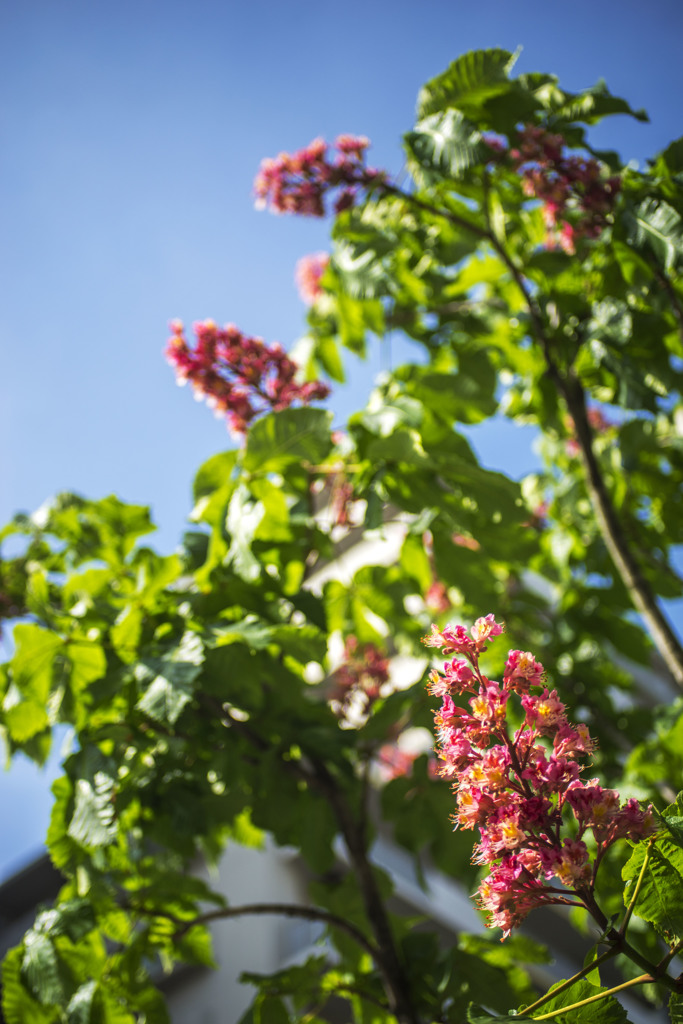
[(131, 135)]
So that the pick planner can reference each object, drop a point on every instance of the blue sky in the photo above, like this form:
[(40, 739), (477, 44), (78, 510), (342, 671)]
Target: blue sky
[(132, 132)]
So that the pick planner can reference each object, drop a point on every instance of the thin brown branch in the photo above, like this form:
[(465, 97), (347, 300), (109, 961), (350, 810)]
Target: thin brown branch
[(612, 532), (284, 910), (352, 832), (617, 941)]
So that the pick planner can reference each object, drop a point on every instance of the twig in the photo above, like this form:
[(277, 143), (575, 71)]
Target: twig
[(636, 891), (640, 980), (607, 955), (285, 910)]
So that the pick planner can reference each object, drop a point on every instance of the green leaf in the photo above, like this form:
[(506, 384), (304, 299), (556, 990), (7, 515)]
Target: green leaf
[(602, 1011), (660, 899), (195, 947), (213, 474), (593, 104), (171, 687), (676, 1008), (88, 663), (25, 719), (33, 660), (18, 1005), (73, 918), (266, 1010), (444, 146), (125, 633), (213, 485), (657, 226), (672, 157), (326, 351), (468, 82), (40, 968), (93, 823), (80, 1005), (293, 435)]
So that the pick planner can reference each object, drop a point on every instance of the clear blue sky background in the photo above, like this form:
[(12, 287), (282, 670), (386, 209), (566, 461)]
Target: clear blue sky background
[(131, 134)]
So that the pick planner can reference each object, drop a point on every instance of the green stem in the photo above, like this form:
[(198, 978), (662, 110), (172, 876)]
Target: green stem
[(636, 891), (640, 980), (607, 955), (618, 942), (668, 957)]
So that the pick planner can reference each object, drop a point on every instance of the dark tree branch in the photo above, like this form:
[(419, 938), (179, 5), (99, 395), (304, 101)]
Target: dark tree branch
[(353, 834), (316, 774), (613, 535), (285, 910)]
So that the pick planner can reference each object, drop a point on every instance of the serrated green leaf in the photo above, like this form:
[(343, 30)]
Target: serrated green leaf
[(444, 146), (656, 226), (676, 1008), (40, 968), (469, 81), (171, 687), (18, 1005), (674, 824), (93, 823), (80, 1005), (600, 1011), (660, 899)]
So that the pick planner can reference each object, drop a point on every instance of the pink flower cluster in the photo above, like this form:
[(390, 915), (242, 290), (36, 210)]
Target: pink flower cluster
[(577, 198), (238, 376), (522, 788), (307, 274), (299, 182), (359, 679)]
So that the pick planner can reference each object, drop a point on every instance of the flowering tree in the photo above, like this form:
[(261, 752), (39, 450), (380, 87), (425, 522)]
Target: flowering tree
[(539, 279)]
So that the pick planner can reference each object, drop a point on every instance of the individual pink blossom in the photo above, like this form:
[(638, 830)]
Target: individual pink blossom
[(309, 270), (395, 762), (239, 376), (522, 671), (436, 597), (484, 628), (544, 712), (522, 788)]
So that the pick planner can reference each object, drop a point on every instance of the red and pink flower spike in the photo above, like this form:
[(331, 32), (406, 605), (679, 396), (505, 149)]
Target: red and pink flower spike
[(240, 377), (576, 195), (522, 788), (301, 182)]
